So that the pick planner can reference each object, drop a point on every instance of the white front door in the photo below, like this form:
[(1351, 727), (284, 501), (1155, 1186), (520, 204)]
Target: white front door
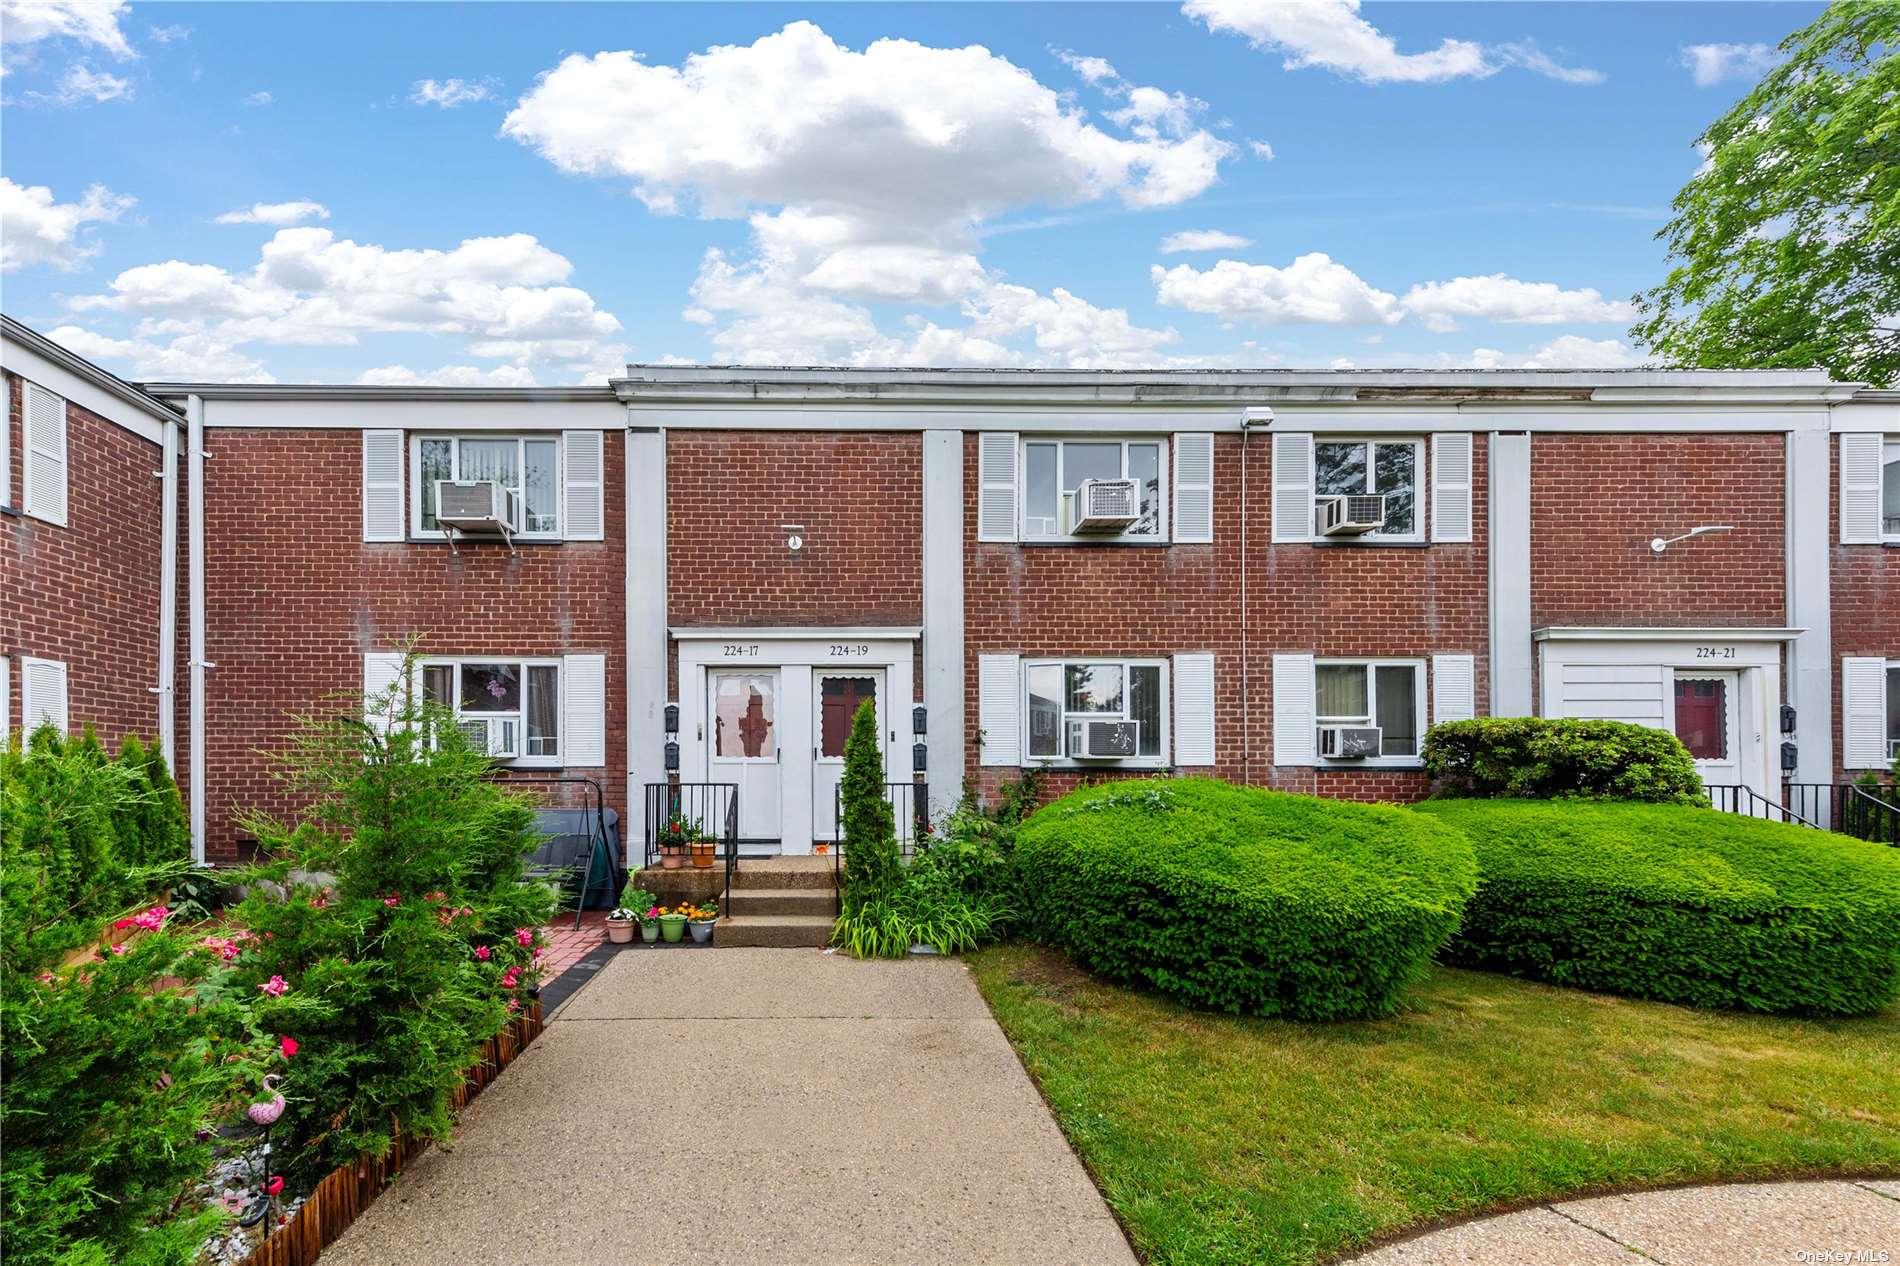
[(742, 744), (836, 698), (1707, 721)]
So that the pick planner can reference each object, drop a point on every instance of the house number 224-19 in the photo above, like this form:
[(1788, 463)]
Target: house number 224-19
[(1715, 652), (850, 650)]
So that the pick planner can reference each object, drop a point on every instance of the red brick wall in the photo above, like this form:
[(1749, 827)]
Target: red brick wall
[(87, 593), (1866, 600), (294, 600), (1598, 499), (1148, 601)]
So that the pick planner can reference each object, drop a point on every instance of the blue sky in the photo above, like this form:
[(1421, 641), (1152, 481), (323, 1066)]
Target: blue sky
[(508, 193)]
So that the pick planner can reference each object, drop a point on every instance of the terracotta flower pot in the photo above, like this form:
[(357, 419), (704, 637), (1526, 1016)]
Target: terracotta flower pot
[(620, 931), (672, 856), (703, 851)]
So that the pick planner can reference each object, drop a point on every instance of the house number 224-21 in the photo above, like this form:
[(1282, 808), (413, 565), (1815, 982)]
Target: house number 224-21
[(1715, 652)]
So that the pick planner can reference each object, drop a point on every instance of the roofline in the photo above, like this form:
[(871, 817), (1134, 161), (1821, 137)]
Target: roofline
[(360, 391), (74, 363)]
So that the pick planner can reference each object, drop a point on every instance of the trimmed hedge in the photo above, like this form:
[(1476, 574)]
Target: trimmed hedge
[(1540, 759), (1681, 904), (1245, 900)]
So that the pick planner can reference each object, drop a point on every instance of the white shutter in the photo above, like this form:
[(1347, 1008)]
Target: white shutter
[(583, 466), (999, 708), (1293, 486), (42, 694), (1860, 488), (1194, 708), (1295, 740), (382, 486), (43, 459), (381, 670), (1863, 712), (996, 487), (1453, 692), (1194, 488), (1451, 486), (584, 686)]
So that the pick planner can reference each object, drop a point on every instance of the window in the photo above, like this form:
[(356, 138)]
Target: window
[(1065, 693), (1893, 710), (528, 466), (509, 708), (1389, 694), (1394, 468), (1054, 469), (1890, 489)]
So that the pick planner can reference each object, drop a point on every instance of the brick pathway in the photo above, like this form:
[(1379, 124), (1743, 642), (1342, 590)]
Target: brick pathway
[(567, 946)]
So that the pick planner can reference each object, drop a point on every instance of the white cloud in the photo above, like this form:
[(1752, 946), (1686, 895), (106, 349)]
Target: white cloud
[(278, 214), (1331, 35), (505, 295), (865, 176), (1710, 64), (1096, 70), (448, 376), (1312, 290), (1261, 150), (169, 34), (188, 357), (449, 93), (82, 83), (1441, 304), (36, 230), (92, 22), (1571, 351), (1203, 240), (261, 97)]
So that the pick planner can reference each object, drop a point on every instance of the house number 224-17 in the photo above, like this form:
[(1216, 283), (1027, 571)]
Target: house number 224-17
[(1715, 652)]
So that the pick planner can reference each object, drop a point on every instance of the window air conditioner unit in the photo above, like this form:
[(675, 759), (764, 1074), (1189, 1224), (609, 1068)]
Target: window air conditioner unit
[(1104, 740), (1351, 516), (498, 737), (476, 506), (1349, 742), (1106, 505)]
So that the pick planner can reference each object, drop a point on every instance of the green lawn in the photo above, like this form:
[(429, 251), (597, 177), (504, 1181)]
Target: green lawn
[(1220, 1139)]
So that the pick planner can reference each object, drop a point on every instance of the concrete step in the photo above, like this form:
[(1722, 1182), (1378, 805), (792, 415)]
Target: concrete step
[(747, 902), (784, 872), (775, 931)]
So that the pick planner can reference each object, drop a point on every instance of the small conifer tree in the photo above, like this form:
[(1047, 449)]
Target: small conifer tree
[(871, 865)]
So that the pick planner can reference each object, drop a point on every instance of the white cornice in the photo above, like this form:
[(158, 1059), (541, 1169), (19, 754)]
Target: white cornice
[(1617, 633)]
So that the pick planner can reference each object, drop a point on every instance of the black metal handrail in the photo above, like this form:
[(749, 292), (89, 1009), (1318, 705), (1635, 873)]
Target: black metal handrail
[(1745, 800), (697, 803), (599, 840), (1869, 817)]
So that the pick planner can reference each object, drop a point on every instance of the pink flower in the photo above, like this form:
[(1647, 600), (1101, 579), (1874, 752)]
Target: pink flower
[(45, 978), (514, 1005), (510, 977), (274, 1187), (438, 896), (275, 987), (321, 901), (524, 937), (392, 900), (536, 956), (482, 952), (288, 1046), (152, 920), (465, 912), (121, 925), (117, 950)]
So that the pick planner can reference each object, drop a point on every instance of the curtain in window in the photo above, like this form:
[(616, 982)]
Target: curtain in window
[(540, 493), (1398, 710), (544, 710), (1341, 691), (438, 462), (492, 459), (839, 699)]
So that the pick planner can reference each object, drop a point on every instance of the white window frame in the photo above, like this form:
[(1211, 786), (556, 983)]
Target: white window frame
[(1381, 761), (6, 451), (521, 439), (1893, 691), (522, 664), (1421, 485), (1889, 514), (1158, 761), (1163, 475)]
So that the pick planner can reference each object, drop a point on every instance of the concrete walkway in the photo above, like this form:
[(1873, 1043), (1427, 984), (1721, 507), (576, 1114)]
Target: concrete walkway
[(1743, 1224), (753, 1106)]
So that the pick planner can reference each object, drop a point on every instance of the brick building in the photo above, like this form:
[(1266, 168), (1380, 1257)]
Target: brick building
[(1278, 577)]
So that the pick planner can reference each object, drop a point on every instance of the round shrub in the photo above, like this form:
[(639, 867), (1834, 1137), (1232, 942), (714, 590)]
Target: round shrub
[(1245, 900), (1681, 904), (1543, 758)]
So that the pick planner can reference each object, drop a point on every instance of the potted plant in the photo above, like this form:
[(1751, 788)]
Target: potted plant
[(629, 911), (701, 921), (672, 925), (705, 849), (675, 836), (650, 924)]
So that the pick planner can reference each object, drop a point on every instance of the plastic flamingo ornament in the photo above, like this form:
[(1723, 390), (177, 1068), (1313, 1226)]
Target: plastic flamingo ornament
[(267, 1112)]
